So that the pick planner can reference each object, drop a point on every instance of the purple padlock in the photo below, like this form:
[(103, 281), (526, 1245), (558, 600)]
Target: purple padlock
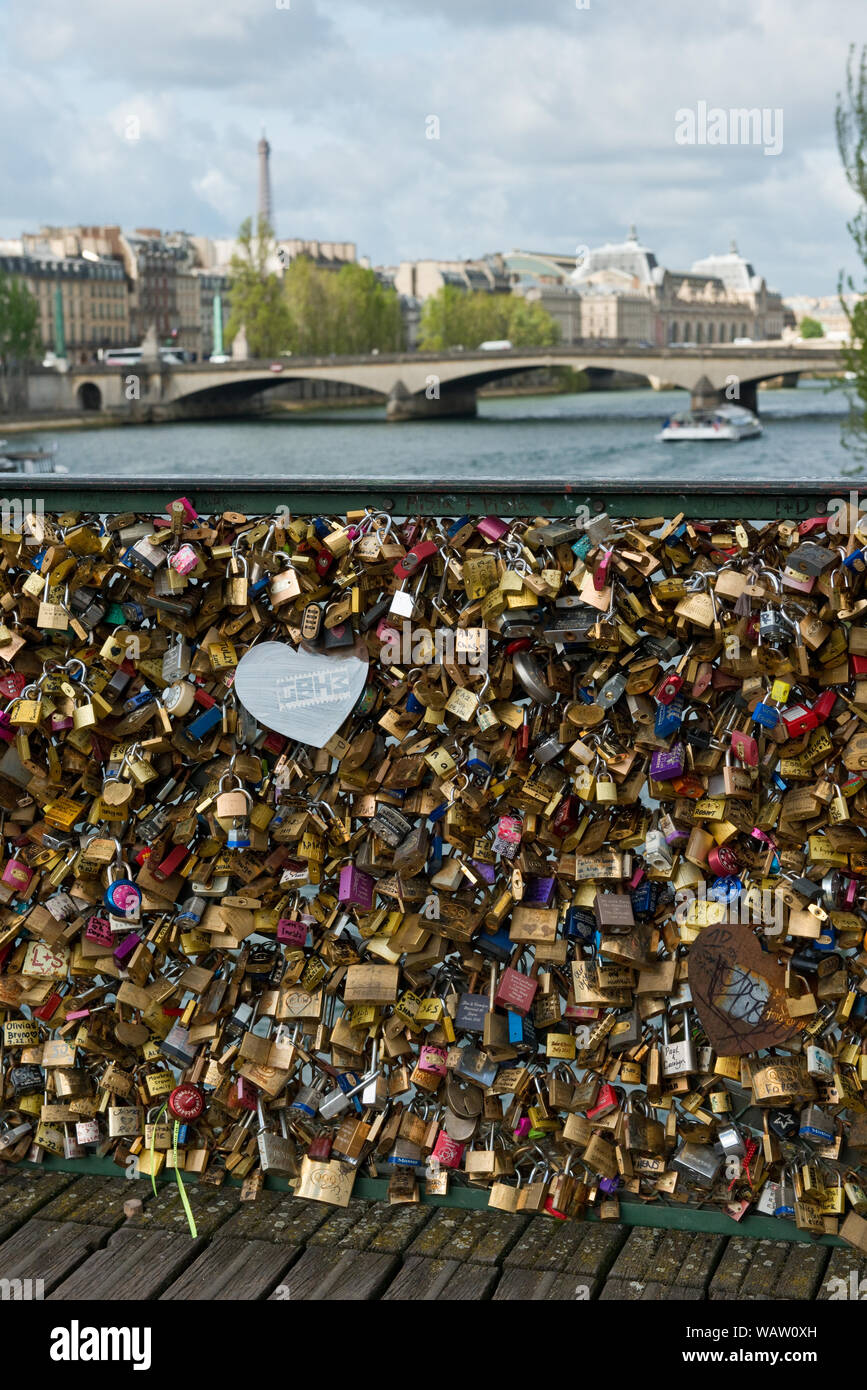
[(538, 890), (355, 887), (609, 1184), (485, 871), (667, 763), (126, 947)]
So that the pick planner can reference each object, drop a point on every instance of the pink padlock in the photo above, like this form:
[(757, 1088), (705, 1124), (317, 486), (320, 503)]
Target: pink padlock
[(432, 1059), (58, 722), (7, 731), (98, 929), (190, 513), (292, 933), (17, 875), (522, 1128), (448, 1151), (492, 528), (184, 560), (355, 887)]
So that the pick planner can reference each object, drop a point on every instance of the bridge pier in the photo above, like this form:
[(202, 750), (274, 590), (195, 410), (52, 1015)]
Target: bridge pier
[(704, 396), (449, 405)]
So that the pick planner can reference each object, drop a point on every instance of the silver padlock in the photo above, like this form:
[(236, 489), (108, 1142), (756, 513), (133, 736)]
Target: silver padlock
[(678, 1058)]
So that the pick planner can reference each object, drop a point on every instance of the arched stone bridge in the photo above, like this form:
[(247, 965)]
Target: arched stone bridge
[(419, 385)]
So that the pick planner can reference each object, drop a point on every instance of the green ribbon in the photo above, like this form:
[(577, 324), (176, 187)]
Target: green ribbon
[(191, 1220)]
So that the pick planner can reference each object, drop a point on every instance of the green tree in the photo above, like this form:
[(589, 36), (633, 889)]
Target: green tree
[(346, 313), (457, 318), (851, 126), (256, 294), (19, 337), (811, 328), (530, 324)]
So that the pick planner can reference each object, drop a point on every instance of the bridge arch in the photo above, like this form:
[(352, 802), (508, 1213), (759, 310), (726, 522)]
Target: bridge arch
[(89, 396)]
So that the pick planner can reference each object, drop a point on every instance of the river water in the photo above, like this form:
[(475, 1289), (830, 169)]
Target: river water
[(593, 435)]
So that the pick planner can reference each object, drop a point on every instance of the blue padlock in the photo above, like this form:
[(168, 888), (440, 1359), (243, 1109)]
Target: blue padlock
[(496, 945), (669, 717), (476, 763), (768, 716), (123, 899), (726, 889), (414, 705), (516, 1027), (580, 924), (581, 547), (457, 526), (205, 722), (435, 854)]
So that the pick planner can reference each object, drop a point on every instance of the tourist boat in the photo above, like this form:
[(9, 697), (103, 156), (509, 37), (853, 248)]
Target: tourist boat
[(722, 422), (29, 460)]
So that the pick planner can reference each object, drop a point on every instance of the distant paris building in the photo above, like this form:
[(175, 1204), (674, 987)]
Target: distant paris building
[(825, 309), (619, 293)]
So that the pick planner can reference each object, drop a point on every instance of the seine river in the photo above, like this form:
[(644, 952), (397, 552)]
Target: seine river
[(596, 434)]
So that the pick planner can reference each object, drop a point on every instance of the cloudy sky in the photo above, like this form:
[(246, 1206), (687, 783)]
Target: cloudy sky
[(556, 123)]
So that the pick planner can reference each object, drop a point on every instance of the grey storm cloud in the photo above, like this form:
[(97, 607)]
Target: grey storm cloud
[(556, 123)]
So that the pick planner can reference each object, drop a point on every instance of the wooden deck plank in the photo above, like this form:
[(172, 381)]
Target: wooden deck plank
[(234, 1269), (429, 1280), (48, 1250), (22, 1194), (324, 1272), (135, 1265)]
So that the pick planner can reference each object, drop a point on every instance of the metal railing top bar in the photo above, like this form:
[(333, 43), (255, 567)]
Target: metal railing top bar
[(719, 499)]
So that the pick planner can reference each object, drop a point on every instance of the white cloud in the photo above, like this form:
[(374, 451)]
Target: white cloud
[(557, 124)]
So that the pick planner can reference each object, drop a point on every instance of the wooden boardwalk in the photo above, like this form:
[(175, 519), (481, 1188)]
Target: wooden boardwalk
[(71, 1233)]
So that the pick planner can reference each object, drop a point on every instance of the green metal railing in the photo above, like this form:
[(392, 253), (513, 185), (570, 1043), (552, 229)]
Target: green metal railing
[(670, 1217), (714, 499)]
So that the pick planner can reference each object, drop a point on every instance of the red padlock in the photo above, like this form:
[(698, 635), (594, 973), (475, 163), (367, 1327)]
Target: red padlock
[(413, 560), (567, 816), (324, 562), (606, 1101), (522, 739), (823, 706), (722, 860), (172, 862), (745, 747), (798, 719), (813, 523), (668, 687), (186, 1102), (516, 991)]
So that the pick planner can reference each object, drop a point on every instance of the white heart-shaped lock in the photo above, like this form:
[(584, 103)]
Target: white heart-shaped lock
[(303, 694)]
